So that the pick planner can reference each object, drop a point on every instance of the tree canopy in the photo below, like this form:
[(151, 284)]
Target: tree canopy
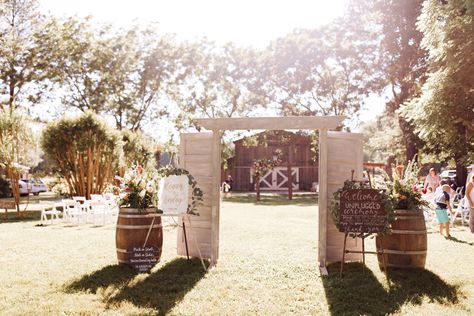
[(444, 112)]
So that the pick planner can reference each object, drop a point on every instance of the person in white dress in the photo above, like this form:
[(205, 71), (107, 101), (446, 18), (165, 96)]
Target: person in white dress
[(470, 199), (432, 180)]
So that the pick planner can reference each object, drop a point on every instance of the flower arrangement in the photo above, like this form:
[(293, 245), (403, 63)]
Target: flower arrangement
[(403, 187), (139, 188)]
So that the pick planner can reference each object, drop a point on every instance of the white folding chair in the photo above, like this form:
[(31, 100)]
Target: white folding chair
[(463, 210), (97, 197), (80, 199), (458, 194), (73, 211), (49, 208), (98, 212)]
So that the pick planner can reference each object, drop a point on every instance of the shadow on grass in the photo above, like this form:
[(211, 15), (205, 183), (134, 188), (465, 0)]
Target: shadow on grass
[(273, 199), (460, 241), (161, 290), (25, 216), (361, 293), (112, 275)]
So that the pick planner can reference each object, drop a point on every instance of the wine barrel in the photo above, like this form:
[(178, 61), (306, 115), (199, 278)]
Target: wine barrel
[(406, 245), (132, 230)]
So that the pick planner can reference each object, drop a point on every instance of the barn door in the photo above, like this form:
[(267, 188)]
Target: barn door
[(277, 179), (196, 156), (344, 153)]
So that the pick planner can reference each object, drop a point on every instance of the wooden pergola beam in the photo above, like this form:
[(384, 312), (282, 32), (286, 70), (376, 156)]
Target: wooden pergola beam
[(273, 123)]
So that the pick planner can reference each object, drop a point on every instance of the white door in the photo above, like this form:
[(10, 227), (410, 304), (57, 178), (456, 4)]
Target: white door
[(344, 154), (196, 157), (277, 179)]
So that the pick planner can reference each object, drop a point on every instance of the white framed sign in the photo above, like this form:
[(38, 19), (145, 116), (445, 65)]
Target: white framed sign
[(173, 194)]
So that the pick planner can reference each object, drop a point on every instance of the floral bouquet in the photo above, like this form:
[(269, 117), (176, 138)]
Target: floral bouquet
[(139, 188), (403, 188)]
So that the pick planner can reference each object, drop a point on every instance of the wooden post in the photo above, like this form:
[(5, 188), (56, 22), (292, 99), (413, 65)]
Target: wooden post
[(323, 196), (257, 185), (363, 253), (343, 255), (290, 176), (216, 178)]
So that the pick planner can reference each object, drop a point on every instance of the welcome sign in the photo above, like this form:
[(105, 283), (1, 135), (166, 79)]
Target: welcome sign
[(362, 211), (173, 195)]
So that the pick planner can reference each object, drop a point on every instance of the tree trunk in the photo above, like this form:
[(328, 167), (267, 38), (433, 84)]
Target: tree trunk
[(411, 146), (257, 186), (461, 173)]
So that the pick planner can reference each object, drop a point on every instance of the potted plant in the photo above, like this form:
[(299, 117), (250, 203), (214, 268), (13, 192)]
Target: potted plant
[(136, 224), (405, 245)]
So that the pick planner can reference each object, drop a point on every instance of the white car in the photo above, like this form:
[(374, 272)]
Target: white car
[(23, 185), (448, 174), (36, 186)]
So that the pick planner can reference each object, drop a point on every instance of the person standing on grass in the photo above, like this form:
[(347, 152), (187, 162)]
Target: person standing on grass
[(442, 203), (470, 200), (432, 180)]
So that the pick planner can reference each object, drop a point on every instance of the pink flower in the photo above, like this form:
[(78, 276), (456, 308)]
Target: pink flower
[(139, 168), (127, 189), (399, 168)]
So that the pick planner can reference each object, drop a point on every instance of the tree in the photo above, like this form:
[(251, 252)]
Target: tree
[(137, 149), (219, 82), (121, 73), (15, 141), (444, 113), (383, 138), (85, 151), (24, 68), (391, 26), (324, 71)]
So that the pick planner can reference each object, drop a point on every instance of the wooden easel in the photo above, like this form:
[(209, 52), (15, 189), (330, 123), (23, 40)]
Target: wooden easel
[(361, 235), (183, 216), (363, 252)]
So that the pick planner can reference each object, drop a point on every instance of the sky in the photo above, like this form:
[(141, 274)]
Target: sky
[(245, 22)]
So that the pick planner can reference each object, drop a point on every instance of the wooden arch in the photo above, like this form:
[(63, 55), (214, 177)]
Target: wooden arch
[(321, 123)]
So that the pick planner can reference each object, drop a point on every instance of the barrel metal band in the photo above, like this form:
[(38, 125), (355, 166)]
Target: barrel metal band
[(408, 217), (404, 252), (409, 232), (135, 216), (137, 226), (391, 265)]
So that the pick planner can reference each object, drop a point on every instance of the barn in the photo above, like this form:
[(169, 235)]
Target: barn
[(288, 150)]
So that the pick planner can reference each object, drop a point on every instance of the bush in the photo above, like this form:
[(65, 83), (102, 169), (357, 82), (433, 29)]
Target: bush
[(5, 190), (137, 148), (85, 152)]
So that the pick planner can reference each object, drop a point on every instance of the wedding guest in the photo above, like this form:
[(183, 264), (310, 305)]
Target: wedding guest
[(442, 203), (470, 200), (432, 180), (440, 188)]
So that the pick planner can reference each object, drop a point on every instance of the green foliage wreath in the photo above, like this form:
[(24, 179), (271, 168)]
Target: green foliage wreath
[(388, 202), (196, 195)]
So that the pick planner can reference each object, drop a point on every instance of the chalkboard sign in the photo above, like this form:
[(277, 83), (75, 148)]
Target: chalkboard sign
[(144, 258), (362, 211)]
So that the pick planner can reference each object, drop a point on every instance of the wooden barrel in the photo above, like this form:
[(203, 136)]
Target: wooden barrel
[(132, 230), (406, 245)]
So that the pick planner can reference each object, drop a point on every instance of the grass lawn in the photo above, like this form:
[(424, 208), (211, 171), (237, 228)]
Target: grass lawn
[(267, 266)]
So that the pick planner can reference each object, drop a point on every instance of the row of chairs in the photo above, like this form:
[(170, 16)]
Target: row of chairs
[(99, 210)]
